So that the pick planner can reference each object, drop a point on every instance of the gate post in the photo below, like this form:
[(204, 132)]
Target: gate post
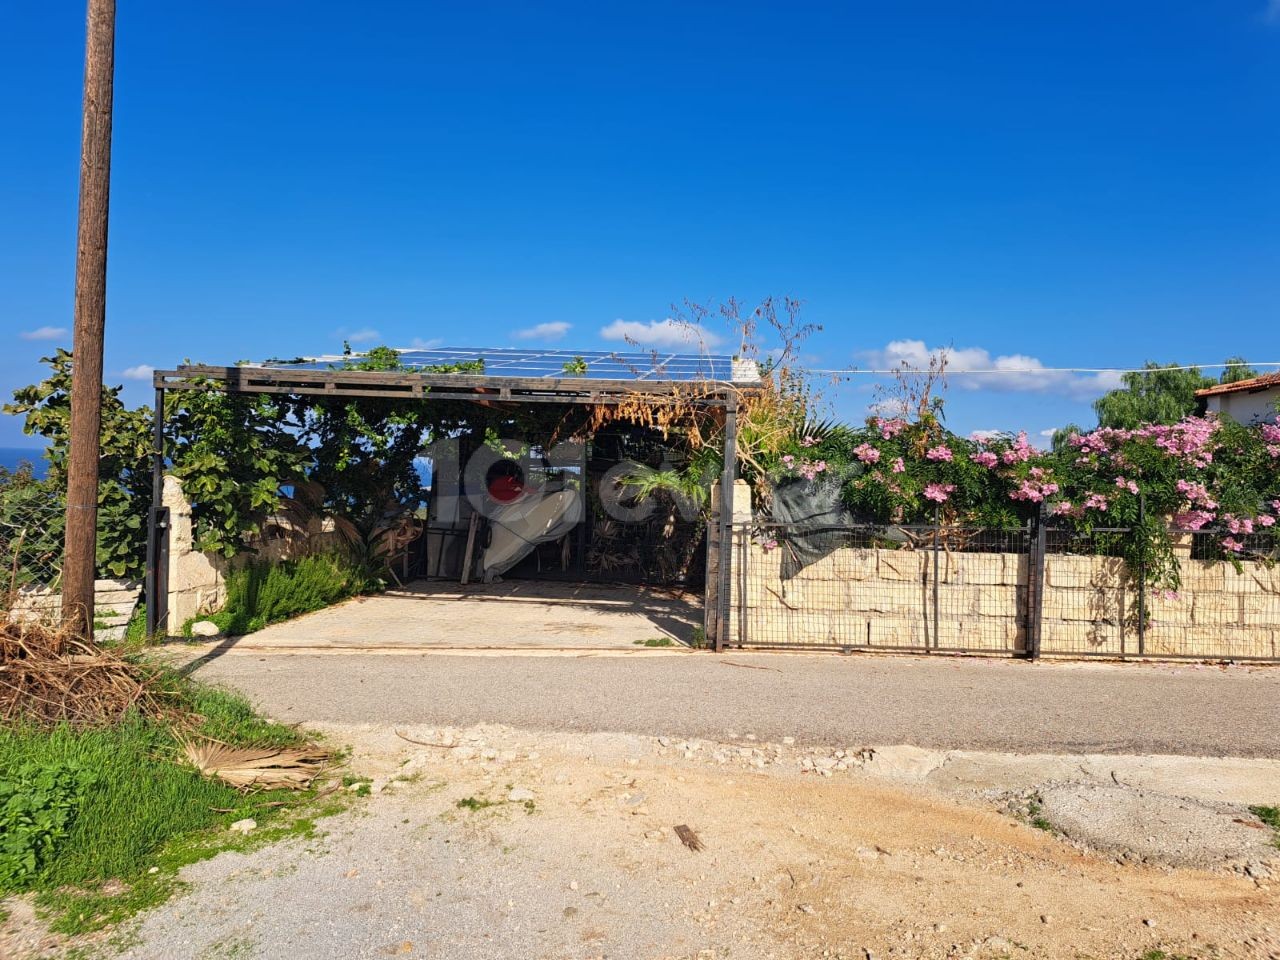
[(1038, 541), (1142, 578), (156, 576), (724, 598), (937, 546)]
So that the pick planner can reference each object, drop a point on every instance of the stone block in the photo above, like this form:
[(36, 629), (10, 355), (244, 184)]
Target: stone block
[(1170, 612), (976, 568), (1260, 610), (897, 632), (1066, 570), (1215, 609), (901, 565), (1090, 604), (886, 597), (856, 563), (805, 629), (1212, 643), (1200, 576), (1251, 578), (994, 635), (1059, 636)]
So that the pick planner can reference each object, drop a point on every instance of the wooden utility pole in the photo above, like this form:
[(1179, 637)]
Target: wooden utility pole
[(78, 565)]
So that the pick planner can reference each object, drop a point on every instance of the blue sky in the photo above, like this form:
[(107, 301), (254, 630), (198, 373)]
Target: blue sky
[(1086, 184)]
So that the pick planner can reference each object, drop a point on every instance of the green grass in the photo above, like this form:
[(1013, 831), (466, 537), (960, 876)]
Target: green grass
[(654, 642), (1271, 817), (135, 632), (1036, 818), (474, 804), (143, 809), (264, 593)]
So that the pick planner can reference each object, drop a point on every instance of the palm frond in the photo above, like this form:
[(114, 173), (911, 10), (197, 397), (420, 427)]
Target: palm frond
[(268, 768)]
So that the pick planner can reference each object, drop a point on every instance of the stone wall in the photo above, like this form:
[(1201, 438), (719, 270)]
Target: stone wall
[(869, 598), (1219, 612), (114, 603)]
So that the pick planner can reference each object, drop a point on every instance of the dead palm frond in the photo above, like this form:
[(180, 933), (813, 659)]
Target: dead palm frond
[(268, 768)]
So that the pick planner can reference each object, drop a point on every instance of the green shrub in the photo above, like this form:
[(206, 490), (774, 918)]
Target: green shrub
[(37, 807), (262, 593)]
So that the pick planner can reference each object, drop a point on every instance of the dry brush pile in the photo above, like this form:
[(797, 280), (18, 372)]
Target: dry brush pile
[(50, 676)]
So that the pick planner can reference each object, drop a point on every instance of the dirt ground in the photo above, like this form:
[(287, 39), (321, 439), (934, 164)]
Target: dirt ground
[(498, 843)]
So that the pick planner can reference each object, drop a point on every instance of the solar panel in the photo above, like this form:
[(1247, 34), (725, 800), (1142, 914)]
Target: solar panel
[(528, 364)]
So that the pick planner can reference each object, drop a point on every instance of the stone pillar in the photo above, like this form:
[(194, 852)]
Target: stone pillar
[(197, 581), (741, 515)]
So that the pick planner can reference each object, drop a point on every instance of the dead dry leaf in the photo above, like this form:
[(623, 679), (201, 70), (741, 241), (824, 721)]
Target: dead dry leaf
[(688, 837), (269, 768)]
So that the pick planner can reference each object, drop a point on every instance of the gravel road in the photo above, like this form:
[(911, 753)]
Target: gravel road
[(510, 844), (945, 702)]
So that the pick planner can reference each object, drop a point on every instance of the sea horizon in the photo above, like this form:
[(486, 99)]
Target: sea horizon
[(12, 457)]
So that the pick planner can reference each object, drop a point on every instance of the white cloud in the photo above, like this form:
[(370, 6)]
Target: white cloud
[(417, 343), (1048, 434), (543, 331), (363, 335), (1014, 372), (142, 371), (660, 333), (44, 333)]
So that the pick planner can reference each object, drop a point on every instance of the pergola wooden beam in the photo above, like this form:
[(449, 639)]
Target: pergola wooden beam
[(441, 386)]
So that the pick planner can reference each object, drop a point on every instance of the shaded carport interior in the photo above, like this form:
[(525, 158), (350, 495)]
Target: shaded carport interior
[(510, 377)]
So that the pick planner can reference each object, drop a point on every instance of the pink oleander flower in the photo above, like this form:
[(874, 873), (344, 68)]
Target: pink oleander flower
[(1020, 451), (770, 544), (1266, 520), (1096, 501), (898, 466), (939, 492), (1197, 494), (1129, 485), (1034, 490), (1192, 519), (1232, 544), (1168, 595), (985, 458), (1238, 524), (1275, 505), (941, 452), (889, 428), (811, 468), (810, 442), (866, 453)]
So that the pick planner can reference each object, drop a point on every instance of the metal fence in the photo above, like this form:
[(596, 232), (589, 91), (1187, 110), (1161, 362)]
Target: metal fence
[(31, 522), (917, 588), (1032, 590)]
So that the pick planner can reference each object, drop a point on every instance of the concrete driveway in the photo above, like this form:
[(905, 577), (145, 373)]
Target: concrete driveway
[(512, 615), (939, 702)]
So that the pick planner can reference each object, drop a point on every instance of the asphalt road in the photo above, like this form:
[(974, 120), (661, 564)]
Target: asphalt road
[(944, 702)]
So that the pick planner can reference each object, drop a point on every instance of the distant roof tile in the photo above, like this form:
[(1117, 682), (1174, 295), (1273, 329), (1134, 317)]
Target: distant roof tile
[(1264, 382)]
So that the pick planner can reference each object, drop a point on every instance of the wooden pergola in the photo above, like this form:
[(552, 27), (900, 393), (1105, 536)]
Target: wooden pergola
[(511, 376)]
